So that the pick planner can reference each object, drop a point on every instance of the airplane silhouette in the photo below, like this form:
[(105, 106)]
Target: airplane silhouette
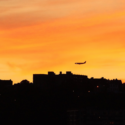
[(81, 63)]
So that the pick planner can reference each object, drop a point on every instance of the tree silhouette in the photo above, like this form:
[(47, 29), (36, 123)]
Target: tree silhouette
[(24, 82)]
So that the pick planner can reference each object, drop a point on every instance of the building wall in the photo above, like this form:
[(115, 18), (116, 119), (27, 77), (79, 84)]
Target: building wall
[(6, 82), (95, 117)]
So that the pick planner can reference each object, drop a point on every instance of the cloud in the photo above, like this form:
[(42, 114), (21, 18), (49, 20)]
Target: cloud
[(42, 35), (14, 67), (15, 13)]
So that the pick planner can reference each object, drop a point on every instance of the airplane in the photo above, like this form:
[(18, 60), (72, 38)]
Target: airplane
[(81, 63)]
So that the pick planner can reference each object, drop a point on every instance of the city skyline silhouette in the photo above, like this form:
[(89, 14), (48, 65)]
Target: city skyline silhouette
[(62, 99), (59, 74)]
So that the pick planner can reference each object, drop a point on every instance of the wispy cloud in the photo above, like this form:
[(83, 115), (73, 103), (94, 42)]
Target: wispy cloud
[(42, 35)]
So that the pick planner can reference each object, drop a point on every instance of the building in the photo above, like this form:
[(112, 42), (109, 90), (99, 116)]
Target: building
[(95, 117), (6, 83), (78, 83), (115, 86), (51, 79)]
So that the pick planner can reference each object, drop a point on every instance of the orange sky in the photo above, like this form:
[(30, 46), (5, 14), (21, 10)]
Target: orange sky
[(51, 35)]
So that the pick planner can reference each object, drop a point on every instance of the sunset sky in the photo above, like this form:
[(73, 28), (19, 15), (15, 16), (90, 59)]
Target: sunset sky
[(37, 36)]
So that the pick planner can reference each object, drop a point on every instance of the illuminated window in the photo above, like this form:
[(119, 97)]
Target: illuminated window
[(111, 123), (97, 86), (88, 91)]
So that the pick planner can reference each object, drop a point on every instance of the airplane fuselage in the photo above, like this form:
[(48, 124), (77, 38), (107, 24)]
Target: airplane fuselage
[(81, 63)]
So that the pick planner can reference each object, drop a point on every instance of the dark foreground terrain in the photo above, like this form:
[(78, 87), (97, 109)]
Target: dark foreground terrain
[(33, 106)]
